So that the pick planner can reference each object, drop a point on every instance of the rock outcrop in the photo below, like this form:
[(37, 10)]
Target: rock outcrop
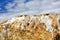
[(31, 27)]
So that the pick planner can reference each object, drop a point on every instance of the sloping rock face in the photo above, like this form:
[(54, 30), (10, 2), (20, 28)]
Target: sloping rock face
[(31, 27)]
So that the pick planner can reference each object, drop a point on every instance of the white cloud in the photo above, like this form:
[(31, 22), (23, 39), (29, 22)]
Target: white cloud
[(18, 6), (52, 11), (34, 5)]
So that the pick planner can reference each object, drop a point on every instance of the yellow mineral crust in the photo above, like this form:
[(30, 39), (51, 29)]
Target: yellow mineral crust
[(31, 27)]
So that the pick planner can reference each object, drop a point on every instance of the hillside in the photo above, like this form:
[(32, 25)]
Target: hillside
[(31, 27)]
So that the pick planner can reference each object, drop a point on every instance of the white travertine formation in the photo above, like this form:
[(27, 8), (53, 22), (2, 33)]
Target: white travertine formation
[(39, 27)]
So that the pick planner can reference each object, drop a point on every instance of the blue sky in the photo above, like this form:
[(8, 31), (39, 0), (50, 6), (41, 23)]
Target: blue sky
[(11, 8), (17, 6), (3, 3)]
